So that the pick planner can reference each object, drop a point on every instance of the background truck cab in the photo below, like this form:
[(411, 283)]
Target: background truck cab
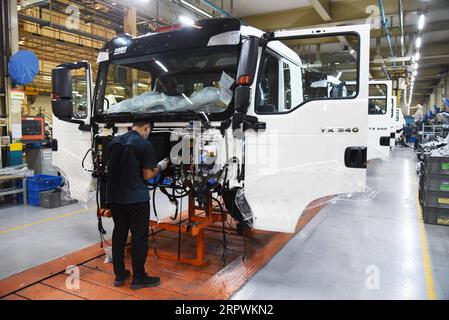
[(380, 106)]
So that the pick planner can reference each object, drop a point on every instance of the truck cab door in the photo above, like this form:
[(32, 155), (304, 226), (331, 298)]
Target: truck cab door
[(379, 119), (71, 106), (393, 122), (312, 143)]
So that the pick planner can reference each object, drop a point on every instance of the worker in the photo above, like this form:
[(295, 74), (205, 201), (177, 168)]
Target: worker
[(132, 161), (407, 133)]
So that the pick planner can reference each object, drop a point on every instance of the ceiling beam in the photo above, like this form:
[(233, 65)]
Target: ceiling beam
[(322, 7), (27, 34), (342, 12), (48, 24)]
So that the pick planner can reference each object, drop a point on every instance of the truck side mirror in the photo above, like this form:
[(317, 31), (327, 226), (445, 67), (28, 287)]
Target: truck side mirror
[(242, 99), (61, 97), (246, 73)]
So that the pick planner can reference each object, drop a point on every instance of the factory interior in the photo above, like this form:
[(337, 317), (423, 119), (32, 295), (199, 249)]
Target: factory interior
[(286, 150)]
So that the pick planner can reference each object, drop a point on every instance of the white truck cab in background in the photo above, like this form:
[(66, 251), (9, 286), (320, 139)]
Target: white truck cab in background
[(380, 107)]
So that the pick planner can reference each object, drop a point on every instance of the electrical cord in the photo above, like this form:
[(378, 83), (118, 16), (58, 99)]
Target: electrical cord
[(179, 232), (176, 204), (224, 256), (84, 159), (101, 229), (151, 228)]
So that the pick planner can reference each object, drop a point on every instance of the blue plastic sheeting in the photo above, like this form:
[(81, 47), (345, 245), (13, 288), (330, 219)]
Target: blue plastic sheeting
[(23, 67)]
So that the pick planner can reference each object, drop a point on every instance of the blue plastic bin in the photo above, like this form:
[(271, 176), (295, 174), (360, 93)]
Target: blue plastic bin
[(42, 182), (38, 183)]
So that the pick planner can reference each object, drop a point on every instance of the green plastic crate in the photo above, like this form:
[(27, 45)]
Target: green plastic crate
[(436, 216)]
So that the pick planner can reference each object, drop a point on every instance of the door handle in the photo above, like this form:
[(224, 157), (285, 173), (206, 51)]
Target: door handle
[(384, 141), (355, 157)]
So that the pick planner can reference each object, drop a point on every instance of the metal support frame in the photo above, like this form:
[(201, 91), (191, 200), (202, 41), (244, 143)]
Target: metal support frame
[(197, 220), (5, 48)]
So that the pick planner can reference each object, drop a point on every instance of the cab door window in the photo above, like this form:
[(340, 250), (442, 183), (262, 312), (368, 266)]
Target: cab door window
[(267, 94), (312, 68), (377, 101)]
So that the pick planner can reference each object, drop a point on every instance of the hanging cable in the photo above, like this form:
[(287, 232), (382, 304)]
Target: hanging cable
[(224, 256), (151, 228), (176, 204), (101, 229), (179, 233)]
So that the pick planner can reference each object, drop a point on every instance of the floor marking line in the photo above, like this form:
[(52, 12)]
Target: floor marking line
[(65, 215), (431, 294)]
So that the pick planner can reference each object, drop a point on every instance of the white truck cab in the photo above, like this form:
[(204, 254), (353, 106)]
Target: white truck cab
[(380, 107), (399, 123), (269, 123), (393, 122)]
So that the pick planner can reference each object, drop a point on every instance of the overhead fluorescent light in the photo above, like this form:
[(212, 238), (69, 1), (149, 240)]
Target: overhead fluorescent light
[(191, 6), (421, 21), (418, 42), (161, 65), (417, 56), (415, 73), (186, 21), (415, 66)]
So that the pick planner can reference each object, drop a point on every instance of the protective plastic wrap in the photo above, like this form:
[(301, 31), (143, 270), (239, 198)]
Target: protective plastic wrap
[(243, 206), (209, 99), (442, 151), (72, 147)]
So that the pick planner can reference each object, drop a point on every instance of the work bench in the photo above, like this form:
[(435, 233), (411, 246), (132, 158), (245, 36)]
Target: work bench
[(14, 190)]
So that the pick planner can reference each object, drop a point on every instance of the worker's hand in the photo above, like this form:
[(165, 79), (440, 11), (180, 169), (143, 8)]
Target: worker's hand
[(163, 164)]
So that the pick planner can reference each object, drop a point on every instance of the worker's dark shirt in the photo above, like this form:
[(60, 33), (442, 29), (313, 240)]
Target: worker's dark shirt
[(128, 155)]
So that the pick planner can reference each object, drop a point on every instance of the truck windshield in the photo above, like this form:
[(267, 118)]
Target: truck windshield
[(174, 81)]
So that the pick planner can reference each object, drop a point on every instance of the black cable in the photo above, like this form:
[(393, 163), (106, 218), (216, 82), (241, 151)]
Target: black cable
[(179, 232), (176, 203), (223, 229), (154, 242), (151, 228), (100, 222), (244, 247), (84, 159), (154, 202)]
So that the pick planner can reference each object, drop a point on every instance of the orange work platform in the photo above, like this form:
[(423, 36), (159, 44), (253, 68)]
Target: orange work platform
[(217, 279)]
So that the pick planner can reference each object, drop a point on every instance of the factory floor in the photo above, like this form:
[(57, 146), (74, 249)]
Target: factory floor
[(366, 248), (371, 247)]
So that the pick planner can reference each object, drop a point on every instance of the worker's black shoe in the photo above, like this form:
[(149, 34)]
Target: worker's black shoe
[(120, 280), (144, 282)]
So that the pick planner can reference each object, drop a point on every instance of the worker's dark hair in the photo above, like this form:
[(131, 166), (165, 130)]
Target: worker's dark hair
[(141, 123)]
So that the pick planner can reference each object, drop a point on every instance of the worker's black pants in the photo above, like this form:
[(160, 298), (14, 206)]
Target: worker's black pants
[(134, 217)]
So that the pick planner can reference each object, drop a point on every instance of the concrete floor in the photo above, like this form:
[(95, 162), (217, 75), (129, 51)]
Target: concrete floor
[(356, 249), (362, 249)]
